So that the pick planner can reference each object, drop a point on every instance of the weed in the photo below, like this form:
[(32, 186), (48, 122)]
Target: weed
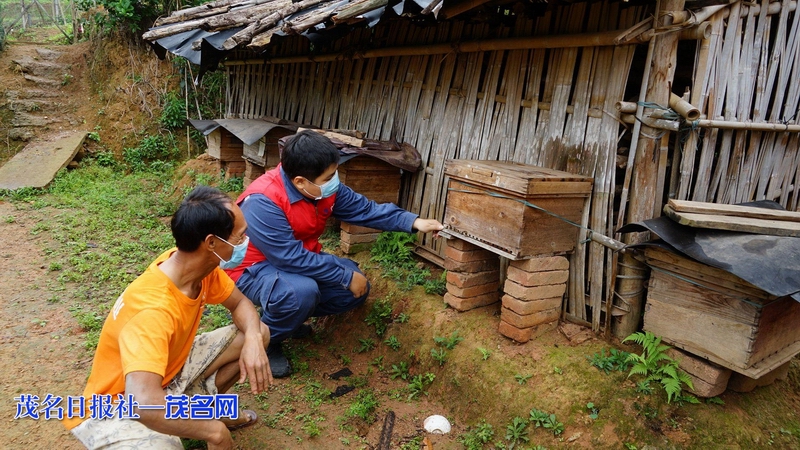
[(345, 360), (419, 384), (344, 441), (173, 113), (399, 370), (9, 219), (393, 343), (517, 432), (39, 322), (547, 421), (363, 406), (54, 266), (557, 370), (615, 360), (655, 365), (150, 154), (450, 342), (377, 363), (66, 79), (484, 353), (715, 401), (366, 345), (522, 379), (594, 412), (215, 316), (437, 286), (439, 355), (629, 446), (94, 136), (232, 184), (393, 249), (402, 318), (380, 315), (414, 443), (475, 438)]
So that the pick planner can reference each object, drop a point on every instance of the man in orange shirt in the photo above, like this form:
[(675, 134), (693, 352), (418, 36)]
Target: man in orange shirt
[(148, 354)]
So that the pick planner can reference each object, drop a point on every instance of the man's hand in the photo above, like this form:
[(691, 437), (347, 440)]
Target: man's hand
[(254, 364), (358, 285), (427, 225)]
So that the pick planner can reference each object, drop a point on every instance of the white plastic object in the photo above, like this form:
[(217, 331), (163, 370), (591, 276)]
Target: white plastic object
[(437, 424)]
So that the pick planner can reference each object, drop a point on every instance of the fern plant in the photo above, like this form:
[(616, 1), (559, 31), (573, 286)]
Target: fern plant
[(656, 366)]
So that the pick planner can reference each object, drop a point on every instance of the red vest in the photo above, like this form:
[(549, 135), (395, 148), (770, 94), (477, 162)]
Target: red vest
[(306, 218)]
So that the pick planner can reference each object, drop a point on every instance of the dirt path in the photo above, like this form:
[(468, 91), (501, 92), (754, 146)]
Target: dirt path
[(36, 332)]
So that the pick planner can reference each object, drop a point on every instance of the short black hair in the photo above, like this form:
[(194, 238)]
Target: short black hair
[(308, 154), (204, 211)]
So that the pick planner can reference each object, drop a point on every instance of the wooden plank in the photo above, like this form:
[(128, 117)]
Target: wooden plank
[(349, 140), (718, 209), (38, 163), (777, 328), (743, 224)]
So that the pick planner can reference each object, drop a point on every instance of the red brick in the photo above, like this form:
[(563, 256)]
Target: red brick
[(460, 244), (472, 266), (708, 379), (465, 280), (534, 293), (529, 320), (350, 249), (541, 264), (523, 307), (355, 229), (537, 278), (358, 238), (474, 291), (468, 255), (743, 383), (524, 334), (465, 304)]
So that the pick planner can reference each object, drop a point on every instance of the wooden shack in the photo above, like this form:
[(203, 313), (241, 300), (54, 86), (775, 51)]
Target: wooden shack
[(684, 101)]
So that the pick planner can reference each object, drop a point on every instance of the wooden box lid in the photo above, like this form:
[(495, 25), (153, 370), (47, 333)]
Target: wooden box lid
[(520, 179)]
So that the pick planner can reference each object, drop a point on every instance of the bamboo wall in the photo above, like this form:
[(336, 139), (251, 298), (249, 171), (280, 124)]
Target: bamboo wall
[(748, 71), (547, 107)]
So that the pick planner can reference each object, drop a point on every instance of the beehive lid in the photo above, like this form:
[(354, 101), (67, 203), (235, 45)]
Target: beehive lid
[(520, 179)]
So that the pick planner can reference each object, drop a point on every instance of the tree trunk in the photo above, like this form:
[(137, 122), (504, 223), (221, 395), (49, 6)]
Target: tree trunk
[(643, 201)]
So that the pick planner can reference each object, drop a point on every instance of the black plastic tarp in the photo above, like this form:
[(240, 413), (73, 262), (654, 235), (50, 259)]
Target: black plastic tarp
[(771, 263)]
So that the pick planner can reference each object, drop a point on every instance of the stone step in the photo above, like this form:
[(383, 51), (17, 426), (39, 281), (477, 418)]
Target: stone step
[(42, 80), (14, 95), (50, 55), (46, 69), (22, 119), (33, 105)]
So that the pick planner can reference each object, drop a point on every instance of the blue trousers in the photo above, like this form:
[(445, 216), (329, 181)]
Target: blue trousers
[(288, 299)]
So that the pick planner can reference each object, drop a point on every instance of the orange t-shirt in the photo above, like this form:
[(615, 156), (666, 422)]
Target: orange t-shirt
[(150, 329)]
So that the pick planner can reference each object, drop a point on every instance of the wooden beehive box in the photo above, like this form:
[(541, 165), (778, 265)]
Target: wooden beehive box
[(265, 152), (378, 181), (718, 316), (224, 146), (486, 200), (375, 179)]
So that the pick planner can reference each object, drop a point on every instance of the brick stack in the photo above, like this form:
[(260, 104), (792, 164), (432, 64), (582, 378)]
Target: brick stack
[(533, 293), (473, 275), (251, 172)]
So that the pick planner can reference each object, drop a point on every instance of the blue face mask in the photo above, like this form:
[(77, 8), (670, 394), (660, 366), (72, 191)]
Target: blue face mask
[(327, 189), (237, 256)]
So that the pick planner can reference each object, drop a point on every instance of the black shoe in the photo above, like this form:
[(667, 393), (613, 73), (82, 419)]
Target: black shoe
[(303, 331), (277, 361)]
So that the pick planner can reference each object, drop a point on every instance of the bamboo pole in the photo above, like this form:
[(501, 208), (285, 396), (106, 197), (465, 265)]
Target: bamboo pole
[(643, 199), (734, 125), (599, 39)]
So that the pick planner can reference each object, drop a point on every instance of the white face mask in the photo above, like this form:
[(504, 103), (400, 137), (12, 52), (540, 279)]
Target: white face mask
[(326, 189), (237, 256)]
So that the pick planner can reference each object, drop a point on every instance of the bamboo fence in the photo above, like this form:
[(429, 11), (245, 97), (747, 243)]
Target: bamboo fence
[(746, 72), (552, 107)]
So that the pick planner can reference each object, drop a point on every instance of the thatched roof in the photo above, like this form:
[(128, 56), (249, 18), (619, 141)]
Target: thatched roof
[(205, 33)]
